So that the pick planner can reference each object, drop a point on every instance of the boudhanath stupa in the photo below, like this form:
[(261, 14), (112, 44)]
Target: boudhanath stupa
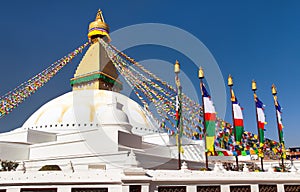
[(95, 139)]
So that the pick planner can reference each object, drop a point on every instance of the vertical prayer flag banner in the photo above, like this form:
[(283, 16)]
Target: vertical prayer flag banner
[(209, 119), (178, 106), (261, 119), (279, 120), (178, 113), (238, 118), (280, 126)]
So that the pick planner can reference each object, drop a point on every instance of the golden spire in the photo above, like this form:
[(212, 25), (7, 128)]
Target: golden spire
[(99, 16), (230, 81), (254, 88), (274, 91), (98, 28), (200, 73), (177, 67)]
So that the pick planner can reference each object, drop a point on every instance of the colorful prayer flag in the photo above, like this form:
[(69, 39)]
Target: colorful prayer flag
[(279, 120), (261, 119), (280, 125), (238, 118), (209, 119), (178, 114)]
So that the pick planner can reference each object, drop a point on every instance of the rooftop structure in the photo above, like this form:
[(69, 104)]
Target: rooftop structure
[(94, 139)]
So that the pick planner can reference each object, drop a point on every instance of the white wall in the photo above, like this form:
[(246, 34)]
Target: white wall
[(13, 151), (34, 136)]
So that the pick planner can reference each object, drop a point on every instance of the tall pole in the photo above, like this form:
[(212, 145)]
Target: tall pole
[(201, 76), (230, 84), (254, 88), (178, 125), (274, 93)]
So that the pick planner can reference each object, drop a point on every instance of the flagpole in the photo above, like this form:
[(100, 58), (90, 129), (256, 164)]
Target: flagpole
[(178, 127), (254, 88), (201, 76), (274, 93), (230, 84)]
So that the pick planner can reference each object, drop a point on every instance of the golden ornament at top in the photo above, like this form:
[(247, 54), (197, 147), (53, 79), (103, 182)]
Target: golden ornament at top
[(230, 81), (274, 91), (98, 28), (177, 67), (200, 73), (254, 88)]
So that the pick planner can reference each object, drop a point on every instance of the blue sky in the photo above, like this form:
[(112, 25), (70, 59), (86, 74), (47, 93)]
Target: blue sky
[(249, 39)]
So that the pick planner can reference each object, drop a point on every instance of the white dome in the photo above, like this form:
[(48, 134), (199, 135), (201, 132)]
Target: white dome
[(89, 107)]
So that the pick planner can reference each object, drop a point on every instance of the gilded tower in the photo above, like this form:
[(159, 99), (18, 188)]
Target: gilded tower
[(96, 70)]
